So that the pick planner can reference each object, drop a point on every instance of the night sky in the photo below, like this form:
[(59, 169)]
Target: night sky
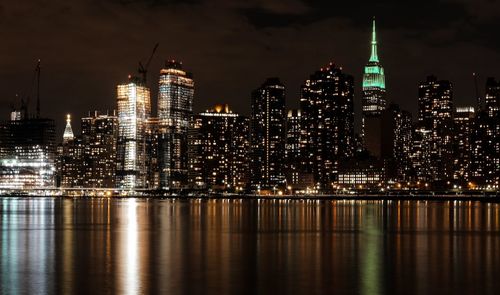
[(87, 47)]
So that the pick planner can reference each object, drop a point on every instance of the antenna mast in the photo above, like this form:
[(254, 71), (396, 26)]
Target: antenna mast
[(38, 90)]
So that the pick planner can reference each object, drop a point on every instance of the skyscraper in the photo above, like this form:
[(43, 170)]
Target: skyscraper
[(219, 146), (298, 178), (374, 101), (485, 141), (328, 112), (435, 115), (175, 109), (70, 159), (267, 133), (396, 143), (99, 136), (492, 97), (134, 108), (464, 123)]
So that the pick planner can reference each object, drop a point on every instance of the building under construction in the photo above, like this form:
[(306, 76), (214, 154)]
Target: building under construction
[(27, 147), (27, 153)]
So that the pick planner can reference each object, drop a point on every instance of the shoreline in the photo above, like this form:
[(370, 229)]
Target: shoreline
[(492, 198)]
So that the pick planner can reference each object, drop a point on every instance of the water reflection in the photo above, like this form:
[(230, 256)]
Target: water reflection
[(103, 246)]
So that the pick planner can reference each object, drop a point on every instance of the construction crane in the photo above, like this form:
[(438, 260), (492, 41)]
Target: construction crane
[(25, 104), (143, 69), (37, 70)]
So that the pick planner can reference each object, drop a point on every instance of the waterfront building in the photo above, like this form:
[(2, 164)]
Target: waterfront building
[(464, 123), (134, 109), (435, 115), (396, 143), (218, 150), (328, 114), (99, 136), (360, 173), (268, 135), (27, 153), (175, 110), (485, 141), (298, 178)]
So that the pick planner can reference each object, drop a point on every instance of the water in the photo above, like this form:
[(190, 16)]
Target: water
[(133, 246)]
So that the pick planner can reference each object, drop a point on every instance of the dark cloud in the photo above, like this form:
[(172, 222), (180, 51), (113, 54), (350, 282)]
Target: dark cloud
[(89, 46)]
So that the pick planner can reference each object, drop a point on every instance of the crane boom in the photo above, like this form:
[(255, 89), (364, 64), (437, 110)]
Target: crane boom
[(143, 70)]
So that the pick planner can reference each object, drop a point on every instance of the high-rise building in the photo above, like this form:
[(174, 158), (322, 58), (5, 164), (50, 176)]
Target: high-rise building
[(328, 114), (268, 135), (175, 110), (396, 143), (374, 100), (219, 146), (27, 153), (70, 159), (492, 97), (298, 178), (99, 136), (134, 109), (464, 123), (436, 116), (485, 140)]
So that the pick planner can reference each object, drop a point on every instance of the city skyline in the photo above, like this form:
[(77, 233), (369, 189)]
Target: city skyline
[(315, 149), (431, 48)]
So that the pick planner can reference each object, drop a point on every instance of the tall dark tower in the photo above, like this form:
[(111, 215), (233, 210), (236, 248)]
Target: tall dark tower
[(374, 101), (268, 135)]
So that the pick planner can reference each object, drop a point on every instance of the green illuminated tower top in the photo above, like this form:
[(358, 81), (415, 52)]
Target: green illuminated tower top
[(374, 101), (374, 56)]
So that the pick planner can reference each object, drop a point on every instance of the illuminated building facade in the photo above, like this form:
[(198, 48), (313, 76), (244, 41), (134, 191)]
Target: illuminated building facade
[(436, 116), (175, 110), (374, 100), (27, 153), (485, 141), (464, 123), (361, 172), (492, 97), (99, 135), (421, 154), (219, 146), (70, 159), (328, 116), (396, 143), (297, 176), (134, 109), (268, 135)]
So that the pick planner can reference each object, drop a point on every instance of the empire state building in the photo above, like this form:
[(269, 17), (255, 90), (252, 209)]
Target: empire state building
[(374, 100)]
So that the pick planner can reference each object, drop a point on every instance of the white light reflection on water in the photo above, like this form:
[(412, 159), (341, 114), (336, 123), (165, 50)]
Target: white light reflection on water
[(131, 258)]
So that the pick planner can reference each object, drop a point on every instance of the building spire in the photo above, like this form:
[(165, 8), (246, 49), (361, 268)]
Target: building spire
[(374, 55), (68, 131)]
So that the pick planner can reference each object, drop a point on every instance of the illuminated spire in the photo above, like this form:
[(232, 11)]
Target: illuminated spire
[(68, 131), (374, 56)]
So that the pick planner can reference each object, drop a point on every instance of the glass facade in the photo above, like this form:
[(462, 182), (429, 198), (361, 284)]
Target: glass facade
[(175, 110), (134, 109)]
